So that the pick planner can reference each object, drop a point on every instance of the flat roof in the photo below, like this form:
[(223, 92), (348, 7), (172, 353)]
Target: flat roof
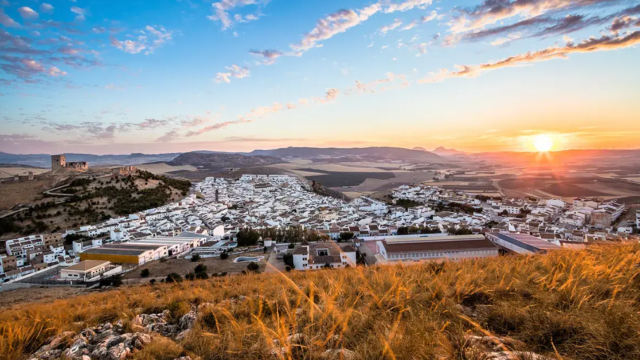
[(133, 252), (427, 238), (87, 265), (527, 242), (442, 245)]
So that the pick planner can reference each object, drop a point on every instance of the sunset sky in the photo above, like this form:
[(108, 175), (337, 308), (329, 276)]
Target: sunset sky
[(237, 75)]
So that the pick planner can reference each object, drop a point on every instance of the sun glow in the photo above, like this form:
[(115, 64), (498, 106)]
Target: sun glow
[(543, 143)]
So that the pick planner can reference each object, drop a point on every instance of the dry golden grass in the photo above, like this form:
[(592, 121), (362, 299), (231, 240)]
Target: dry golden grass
[(569, 305)]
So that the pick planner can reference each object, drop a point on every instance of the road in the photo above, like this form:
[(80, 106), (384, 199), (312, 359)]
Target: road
[(275, 265)]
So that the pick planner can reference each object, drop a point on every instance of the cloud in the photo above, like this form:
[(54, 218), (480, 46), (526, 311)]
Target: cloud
[(91, 129), (129, 46), (234, 71), (269, 56), (54, 71), (151, 124), (331, 95), (492, 11), (217, 126), (15, 138), (254, 139), (169, 136), (221, 11), (148, 41), (433, 15), (335, 23), (26, 68), (407, 5), (80, 13), (396, 24), (373, 86), (623, 22), (6, 21), (592, 44), (504, 40), (27, 13), (47, 8)]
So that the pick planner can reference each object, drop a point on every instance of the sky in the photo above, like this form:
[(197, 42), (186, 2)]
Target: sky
[(116, 77)]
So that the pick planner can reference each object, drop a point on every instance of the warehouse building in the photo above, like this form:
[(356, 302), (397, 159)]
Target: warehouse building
[(85, 270), (454, 247), (521, 243), (127, 253)]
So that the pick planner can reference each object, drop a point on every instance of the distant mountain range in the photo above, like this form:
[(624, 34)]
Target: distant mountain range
[(44, 160), (368, 153), (442, 151), (215, 159), (218, 161)]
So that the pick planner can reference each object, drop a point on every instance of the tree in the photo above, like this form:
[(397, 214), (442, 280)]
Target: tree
[(403, 230), (200, 268), (224, 256), (288, 260), (195, 258), (173, 277), (145, 273), (247, 237), (345, 236)]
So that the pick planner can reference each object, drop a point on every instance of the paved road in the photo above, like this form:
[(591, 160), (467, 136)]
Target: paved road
[(275, 265)]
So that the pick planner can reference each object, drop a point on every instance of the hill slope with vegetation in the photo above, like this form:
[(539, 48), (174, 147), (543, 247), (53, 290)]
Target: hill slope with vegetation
[(89, 200), (564, 305)]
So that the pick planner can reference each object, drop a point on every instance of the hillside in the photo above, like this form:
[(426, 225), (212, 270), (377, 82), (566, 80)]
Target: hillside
[(363, 154), (564, 305), (442, 151), (89, 200), (218, 161)]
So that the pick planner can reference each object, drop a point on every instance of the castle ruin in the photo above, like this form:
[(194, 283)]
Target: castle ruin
[(60, 162)]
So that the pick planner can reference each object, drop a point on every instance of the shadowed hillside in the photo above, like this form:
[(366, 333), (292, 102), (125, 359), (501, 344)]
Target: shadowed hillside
[(564, 305)]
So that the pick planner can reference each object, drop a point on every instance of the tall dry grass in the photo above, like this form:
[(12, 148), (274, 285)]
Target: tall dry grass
[(567, 304)]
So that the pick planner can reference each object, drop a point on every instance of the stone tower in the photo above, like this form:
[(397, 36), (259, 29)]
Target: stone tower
[(58, 162)]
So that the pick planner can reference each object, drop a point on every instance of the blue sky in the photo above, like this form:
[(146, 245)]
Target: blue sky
[(236, 75)]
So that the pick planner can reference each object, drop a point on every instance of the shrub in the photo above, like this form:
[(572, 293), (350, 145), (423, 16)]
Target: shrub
[(254, 267), (173, 277), (200, 268), (288, 268), (195, 258), (224, 256), (145, 273)]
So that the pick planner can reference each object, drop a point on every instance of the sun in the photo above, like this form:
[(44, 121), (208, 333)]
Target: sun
[(543, 143)]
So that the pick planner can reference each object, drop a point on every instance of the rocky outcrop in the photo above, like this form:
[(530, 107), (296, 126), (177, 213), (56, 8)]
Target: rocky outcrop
[(111, 342)]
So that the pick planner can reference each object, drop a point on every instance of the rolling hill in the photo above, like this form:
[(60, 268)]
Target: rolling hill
[(365, 154)]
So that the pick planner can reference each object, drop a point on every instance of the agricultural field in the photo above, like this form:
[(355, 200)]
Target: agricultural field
[(568, 187), (11, 171)]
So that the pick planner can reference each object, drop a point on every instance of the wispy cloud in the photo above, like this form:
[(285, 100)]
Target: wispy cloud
[(222, 8), (7, 21), (233, 71), (80, 13), (148, 40), (269, 56), (593, 44)]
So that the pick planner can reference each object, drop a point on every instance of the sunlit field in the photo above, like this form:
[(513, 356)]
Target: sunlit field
[(566, 305)]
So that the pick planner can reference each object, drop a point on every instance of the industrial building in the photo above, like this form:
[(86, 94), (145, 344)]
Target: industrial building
[(142, 251), (126, 253), (521, 243), (85, 270), (416, 248)]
